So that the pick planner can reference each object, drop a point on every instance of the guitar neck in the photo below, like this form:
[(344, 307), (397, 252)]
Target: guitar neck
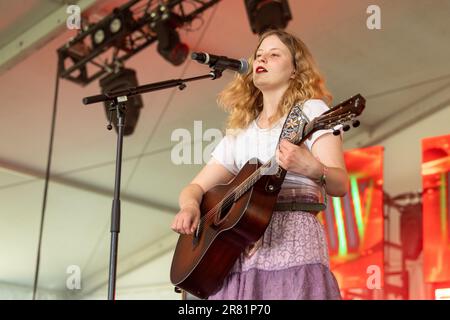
[(338, 115)]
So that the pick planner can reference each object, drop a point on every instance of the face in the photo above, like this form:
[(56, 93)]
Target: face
[(273, 67)]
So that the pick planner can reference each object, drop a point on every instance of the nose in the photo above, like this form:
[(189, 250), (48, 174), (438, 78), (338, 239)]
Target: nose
[(261, 58)]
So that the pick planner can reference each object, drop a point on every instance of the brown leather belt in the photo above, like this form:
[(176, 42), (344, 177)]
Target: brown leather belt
[(299, 206)]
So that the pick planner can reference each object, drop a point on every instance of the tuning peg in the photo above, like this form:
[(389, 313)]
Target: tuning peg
[(356, 123), (336, 132), (346, 127)]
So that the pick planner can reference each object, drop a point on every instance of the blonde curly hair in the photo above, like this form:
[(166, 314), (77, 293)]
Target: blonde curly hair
[(243, 101)]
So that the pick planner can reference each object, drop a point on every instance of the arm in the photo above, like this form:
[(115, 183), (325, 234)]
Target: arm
[(326, 151), (187, 219)]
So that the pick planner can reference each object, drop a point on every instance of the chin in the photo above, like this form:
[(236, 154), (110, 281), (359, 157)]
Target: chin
[(261, 85)]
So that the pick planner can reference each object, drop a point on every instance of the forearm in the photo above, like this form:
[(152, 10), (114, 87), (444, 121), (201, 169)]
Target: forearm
[(324, 163), (334, 177), (191, 195), (336, 182)]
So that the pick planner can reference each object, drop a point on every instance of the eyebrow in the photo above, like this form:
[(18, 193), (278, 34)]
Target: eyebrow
[(269, 49)]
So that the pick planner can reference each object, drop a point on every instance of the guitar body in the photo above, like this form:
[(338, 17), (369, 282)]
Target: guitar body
[(201, 262), (229, 224)]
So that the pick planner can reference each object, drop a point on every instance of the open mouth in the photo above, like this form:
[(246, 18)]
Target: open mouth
[(260, 69)]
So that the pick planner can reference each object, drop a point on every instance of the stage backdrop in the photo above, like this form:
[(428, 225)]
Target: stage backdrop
[(436, 214), (354, 223)]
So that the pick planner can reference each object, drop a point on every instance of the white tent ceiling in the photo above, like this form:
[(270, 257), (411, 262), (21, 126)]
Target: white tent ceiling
[(402, 70)]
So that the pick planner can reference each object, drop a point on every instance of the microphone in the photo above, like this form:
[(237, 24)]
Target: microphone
[(221, 62)]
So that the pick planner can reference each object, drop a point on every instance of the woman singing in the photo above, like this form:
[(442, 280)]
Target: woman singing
[(291, 259)]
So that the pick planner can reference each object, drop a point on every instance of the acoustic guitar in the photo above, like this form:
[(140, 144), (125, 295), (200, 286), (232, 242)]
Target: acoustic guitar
[(235, 215)]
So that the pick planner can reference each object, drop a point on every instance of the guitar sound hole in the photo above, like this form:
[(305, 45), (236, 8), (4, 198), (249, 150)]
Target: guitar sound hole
[(224, 210)]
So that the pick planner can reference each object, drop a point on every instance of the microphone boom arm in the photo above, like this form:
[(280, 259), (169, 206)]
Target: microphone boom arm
[(180, 83)]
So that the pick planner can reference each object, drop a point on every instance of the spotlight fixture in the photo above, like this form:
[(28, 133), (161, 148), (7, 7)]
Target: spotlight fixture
[(123, 79), (169, 45), (112, 30), (115, 25), (99, 36), (267, 14)]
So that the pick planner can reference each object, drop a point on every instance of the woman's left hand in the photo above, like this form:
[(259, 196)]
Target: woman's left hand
[(298, 159)]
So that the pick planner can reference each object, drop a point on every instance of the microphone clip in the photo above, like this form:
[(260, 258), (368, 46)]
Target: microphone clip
[(216, 73)]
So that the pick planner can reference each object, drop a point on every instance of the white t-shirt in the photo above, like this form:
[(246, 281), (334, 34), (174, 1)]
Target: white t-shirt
[(236, 148)]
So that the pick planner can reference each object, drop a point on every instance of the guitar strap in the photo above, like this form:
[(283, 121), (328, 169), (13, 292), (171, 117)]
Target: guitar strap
[(294, 124), (292, 130)]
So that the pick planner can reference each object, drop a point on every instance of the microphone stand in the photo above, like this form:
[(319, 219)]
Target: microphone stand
[(117, 101)]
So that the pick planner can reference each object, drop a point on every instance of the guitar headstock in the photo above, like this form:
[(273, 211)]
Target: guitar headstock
[(339, 116)]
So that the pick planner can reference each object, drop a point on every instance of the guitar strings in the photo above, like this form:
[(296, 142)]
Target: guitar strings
[(232, 196), (241, 189)]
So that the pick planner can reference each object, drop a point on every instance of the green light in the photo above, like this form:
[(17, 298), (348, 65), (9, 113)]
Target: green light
[(368, 201), (342, 251), (357, 205), (443, 193)]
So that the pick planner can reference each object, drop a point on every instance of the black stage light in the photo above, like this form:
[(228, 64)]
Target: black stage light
[(123, 79), (170, 47), (267, 14)]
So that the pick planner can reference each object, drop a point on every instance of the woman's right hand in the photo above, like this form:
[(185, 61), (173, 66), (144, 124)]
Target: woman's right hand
[(186, 220)]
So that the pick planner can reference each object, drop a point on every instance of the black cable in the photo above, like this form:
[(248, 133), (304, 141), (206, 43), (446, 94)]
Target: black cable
[(47, 178)]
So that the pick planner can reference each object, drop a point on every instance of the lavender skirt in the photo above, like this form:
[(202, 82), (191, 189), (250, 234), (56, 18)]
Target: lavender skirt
[(291, 264)]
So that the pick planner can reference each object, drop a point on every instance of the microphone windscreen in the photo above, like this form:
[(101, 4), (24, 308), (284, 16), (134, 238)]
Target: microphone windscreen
[(200, 57), (194, 55), (244, 66)]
